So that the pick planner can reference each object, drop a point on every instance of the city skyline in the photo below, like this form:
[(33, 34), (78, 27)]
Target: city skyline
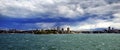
[(77, 14)]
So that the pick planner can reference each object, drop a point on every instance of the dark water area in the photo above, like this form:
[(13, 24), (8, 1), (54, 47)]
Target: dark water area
[(60, 42)]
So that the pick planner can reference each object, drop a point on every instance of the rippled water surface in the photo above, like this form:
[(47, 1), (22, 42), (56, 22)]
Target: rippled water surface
[(60, 42)]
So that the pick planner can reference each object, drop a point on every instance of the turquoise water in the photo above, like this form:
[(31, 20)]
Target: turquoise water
[(60, 42)]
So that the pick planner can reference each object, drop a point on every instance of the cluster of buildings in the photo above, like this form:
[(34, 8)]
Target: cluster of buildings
[(56, 30), (108, 30), (59, 30)]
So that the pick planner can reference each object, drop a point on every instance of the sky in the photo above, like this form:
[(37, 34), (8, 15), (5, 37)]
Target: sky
[(45, 14)]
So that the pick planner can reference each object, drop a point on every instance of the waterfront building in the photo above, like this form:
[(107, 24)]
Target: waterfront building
[(58, 28), (62, 29), (68, 30), (109, 28)]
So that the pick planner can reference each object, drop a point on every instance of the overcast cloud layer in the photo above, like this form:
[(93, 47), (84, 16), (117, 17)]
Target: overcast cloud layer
[(98, 13)]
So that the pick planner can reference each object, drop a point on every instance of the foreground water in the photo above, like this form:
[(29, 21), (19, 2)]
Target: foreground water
[(60, 42)]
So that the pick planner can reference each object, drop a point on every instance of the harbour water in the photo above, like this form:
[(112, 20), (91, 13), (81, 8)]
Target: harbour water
[(60, 42)]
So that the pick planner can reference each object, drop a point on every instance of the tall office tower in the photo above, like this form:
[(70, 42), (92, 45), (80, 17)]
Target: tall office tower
[(62, 29), (58, 28), (68, 29), (109, 28), (112, 28)]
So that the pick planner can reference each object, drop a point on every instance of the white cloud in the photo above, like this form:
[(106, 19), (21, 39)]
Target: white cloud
[(64, 8), (93, 23), (102, 10), (70, 11), (45, 25), (117, 15), (24, 8)]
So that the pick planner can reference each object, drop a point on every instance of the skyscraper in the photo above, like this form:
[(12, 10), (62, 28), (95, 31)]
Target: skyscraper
[(62, 29), (109, 28), (68, 29), (58, 28)]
